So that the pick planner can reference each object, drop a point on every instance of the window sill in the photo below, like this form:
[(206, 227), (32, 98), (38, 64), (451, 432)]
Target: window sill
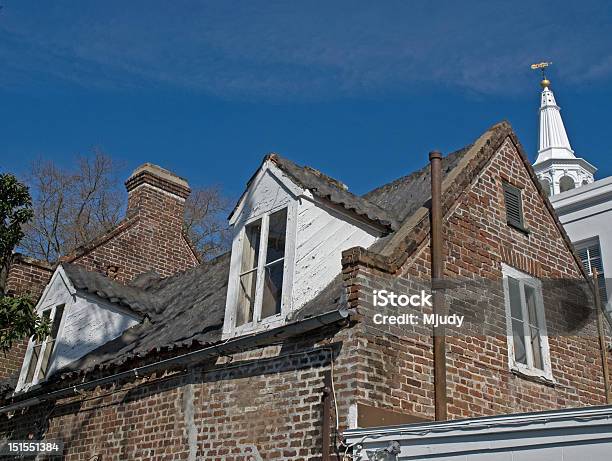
[(519, 228), (266, 324), (537, 376)]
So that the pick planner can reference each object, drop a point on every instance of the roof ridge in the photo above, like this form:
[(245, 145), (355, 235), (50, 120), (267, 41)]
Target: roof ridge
[(98, 240), (334, 191)]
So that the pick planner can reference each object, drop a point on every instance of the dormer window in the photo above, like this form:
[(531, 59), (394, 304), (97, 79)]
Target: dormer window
[(287, 243), (259, 294)]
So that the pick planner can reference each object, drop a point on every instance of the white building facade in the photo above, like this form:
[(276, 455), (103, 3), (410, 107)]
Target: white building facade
[(584, 206)]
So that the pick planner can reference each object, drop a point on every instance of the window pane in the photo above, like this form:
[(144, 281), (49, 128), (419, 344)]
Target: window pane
[(250, 249), (45, 360), (246, 298), (530, 298), (36, 352), (603, 294), (273, 288), (584, 257), (536, 346), (596, 263), (518, 336), (534, 326), (33, 363), (515, 298), (57, 319), (276, 235)]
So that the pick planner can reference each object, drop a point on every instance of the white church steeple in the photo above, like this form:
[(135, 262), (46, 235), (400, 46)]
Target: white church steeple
[(557, 167), (554, 142)]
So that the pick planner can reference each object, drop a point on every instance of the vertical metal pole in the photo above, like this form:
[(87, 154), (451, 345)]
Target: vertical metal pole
[(439, 340), (327, 396), (602, 337)]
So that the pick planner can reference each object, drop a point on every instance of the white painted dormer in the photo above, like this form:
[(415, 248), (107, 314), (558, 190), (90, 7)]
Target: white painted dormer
[(287, 247), (80, 322)]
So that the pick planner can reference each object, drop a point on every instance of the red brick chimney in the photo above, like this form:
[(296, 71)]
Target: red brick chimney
[(156, 193), (151, 236)]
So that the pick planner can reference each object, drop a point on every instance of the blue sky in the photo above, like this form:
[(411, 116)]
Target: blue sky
[(359, 90)]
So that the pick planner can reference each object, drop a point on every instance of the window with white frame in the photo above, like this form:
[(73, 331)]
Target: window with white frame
[(38, 356), (590, 255), (262, 268), (527, 338)]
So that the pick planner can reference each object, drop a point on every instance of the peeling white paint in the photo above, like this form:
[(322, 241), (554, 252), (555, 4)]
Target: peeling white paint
[(322, 235), (88, 323)]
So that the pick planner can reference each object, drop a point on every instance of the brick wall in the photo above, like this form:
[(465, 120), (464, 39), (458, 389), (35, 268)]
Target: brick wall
[(260, 405), (398, 361), (151, 237), (27, 276), (152, 242)]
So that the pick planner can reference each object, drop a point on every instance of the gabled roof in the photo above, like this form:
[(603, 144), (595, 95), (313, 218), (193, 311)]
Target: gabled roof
[(407, 194), (136, 300), (329, 189), (187, 309)]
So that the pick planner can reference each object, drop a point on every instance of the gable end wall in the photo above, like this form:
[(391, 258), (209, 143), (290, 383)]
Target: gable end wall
[(398, 363)]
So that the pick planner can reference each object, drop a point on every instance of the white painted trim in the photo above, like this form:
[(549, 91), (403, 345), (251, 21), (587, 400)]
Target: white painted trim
[(529, 369), (40, 307), (290, 186), (59, 272), (229, 326), (21, 384)]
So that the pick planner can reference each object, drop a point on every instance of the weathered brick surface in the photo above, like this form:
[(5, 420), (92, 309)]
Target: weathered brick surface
[(27, 276), (152, 240), (267, 402), (476, 241)]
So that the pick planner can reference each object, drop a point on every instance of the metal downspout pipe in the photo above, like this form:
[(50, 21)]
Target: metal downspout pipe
[(437, 272)]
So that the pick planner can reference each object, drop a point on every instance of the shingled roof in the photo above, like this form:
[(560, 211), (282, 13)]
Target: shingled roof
[(187, 308), (330, 189), (402, 197), (129, 297)]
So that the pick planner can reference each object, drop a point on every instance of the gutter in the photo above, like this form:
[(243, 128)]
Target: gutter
[(239, 344)]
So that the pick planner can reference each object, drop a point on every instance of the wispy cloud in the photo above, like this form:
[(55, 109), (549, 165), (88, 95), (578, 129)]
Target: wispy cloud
[(302, 49)]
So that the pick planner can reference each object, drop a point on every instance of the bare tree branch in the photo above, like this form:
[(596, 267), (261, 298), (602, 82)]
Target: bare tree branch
[(66, 205), (205, 222), (72, 206)]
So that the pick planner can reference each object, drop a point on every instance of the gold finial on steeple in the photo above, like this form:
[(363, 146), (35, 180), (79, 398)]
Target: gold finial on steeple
[(542, 65)]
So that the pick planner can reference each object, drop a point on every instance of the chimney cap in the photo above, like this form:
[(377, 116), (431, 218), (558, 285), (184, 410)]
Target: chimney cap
[(162, 173), (158, 177)]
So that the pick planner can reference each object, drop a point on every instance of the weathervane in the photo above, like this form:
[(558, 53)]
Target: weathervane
[(542, 66)]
